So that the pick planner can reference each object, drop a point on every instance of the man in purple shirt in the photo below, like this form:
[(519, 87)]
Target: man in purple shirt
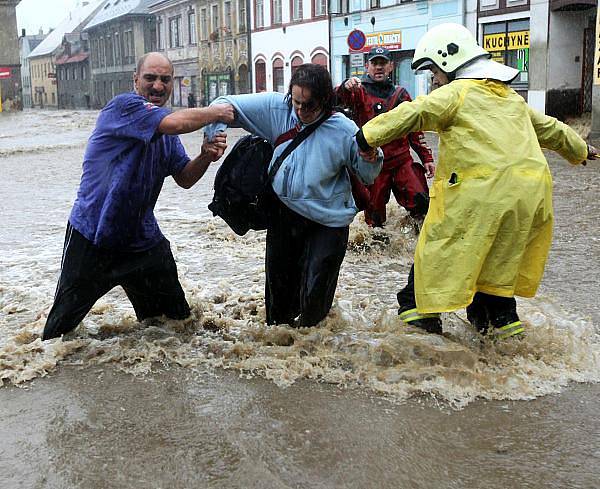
[(112, 235)]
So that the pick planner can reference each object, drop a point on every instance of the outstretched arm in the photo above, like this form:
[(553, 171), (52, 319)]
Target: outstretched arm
[(189, 120), (557, 136), (196, 168)]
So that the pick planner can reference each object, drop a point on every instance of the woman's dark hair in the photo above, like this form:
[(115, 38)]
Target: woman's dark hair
[(318, 80)]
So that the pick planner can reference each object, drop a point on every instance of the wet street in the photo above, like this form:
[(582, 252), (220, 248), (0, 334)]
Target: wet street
[(222, 401)]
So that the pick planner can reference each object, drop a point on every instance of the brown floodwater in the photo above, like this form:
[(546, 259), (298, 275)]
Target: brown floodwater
[(221, 400)]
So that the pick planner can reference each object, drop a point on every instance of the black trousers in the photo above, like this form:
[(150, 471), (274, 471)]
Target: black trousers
[(485, 308), (149, 279), (302, 263)]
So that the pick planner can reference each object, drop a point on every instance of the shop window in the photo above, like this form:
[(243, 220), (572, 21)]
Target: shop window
[(278, 85), (508, 42)]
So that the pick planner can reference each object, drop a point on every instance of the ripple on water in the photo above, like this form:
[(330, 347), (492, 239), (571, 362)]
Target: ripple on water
[(361, 344)]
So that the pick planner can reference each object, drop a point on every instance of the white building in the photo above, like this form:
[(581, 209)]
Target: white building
[(284, 36), (26, 45)]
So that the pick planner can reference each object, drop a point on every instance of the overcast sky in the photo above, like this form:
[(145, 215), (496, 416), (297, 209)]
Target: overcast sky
[(33, 14)]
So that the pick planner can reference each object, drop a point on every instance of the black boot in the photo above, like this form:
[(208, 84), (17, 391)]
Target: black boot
[(477, 313), (429, 322)]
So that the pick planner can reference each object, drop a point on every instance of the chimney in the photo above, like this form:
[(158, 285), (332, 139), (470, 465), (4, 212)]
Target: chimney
[(23, 33), (41, 32)]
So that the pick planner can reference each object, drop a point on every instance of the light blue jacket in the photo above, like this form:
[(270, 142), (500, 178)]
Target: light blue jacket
[(313, 180)]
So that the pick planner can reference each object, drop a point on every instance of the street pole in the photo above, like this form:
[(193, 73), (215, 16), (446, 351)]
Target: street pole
[(595, 131), (0, 96)]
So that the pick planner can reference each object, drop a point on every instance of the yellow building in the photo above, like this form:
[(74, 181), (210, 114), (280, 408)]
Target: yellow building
[(43, 81)]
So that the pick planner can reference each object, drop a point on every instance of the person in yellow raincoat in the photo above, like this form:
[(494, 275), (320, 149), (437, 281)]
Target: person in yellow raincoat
[(488, 231)]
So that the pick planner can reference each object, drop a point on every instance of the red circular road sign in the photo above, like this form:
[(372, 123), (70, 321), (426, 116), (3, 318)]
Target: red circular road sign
[(356, 40)]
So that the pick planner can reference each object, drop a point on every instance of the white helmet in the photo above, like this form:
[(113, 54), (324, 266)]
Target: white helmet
[(449, 47)]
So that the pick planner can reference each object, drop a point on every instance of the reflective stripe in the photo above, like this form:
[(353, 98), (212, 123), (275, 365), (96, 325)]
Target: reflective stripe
[(509, 330), (413, 315)]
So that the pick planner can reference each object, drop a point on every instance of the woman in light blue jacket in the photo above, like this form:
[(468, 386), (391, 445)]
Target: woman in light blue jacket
[(312, 205)]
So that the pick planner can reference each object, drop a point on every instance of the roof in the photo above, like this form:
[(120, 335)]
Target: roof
[(69, 24), (76, 58), (118, 8)]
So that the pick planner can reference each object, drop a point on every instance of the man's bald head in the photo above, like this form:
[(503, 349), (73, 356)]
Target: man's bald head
[(142, 61), (154, 78)]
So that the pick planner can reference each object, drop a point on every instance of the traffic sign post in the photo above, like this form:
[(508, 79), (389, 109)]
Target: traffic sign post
[(356, 40)]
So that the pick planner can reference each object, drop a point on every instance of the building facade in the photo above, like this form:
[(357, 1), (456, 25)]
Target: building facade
[(224, 48), (359, 25), (284, 36), (119, 34), (42, 60), (26, 45), (10, 66), (177, 37), (73, 72), (551, 42)]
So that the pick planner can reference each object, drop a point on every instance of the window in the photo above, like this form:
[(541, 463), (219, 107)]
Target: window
[(344, 6), (296, 62), (261, 76), (67, 74), (128, 47), (175, 32), (242, 16), (83, 73), (109, 51), (278, 85), (192, 28), (74, 73), (319, 8), (216, 23), (259, 15), (102, 53), (508, 42), (319, 59), (296, 9), (204, 24), (227, 16), (375, 3), (275, 11), (117, 46), (160, 38)]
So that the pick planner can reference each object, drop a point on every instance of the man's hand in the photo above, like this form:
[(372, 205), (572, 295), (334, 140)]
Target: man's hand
[(196, 168), (370, 155), (352, 84), (223, 112), (213, 150), (429, 169)]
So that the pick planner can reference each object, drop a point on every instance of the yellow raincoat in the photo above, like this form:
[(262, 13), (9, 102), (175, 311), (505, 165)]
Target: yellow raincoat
[(489, 225)]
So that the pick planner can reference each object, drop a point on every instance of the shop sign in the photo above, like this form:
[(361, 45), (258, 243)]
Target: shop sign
[(391, 40), (4, 73), (506, 42), (597, 52)]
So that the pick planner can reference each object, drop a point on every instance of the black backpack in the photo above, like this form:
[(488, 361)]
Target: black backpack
[(243, 192), (240, 185)]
